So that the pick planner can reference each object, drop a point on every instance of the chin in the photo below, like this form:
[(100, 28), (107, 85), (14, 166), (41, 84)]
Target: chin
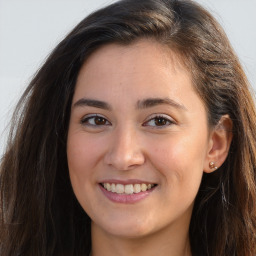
[(126, 228), (130, 233)]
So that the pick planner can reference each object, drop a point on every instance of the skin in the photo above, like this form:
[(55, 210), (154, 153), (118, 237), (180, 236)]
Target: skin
[(129, 143)]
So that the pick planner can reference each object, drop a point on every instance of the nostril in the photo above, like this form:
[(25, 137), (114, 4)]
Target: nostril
[(124, 162)]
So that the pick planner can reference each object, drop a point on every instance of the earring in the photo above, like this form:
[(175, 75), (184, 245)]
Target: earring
[(212, 166)]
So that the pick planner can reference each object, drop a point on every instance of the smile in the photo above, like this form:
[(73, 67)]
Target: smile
[(129, 193), (127, 189)]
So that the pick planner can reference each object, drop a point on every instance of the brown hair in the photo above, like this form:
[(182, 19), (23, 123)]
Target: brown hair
[(39, 213)]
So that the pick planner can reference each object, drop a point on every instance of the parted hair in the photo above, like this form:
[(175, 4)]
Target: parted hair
[(39, 214)]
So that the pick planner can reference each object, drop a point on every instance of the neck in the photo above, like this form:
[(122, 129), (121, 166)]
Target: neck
[(169, 241)]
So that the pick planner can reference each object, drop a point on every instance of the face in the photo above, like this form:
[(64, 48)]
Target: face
[(137, 140)]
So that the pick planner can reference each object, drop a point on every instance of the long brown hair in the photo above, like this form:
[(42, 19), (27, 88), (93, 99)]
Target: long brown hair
[(39, 214)]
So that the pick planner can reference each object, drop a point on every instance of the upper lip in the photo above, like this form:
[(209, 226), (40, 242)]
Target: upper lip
[(126, 182)]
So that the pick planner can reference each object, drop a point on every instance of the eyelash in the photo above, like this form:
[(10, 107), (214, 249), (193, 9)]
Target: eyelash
[(86, 119), (167, 121)]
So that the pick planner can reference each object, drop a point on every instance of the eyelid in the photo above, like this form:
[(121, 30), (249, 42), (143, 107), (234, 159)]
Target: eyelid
[(164, 116), (91, 116)]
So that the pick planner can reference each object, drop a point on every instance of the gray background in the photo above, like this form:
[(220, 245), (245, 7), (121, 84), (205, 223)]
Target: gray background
[(29, 29)]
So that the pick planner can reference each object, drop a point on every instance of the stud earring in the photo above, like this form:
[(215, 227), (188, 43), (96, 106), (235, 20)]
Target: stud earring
[(212, 166)]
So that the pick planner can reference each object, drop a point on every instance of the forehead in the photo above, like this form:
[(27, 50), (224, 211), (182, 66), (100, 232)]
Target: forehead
[(145, 61), (148, 49)]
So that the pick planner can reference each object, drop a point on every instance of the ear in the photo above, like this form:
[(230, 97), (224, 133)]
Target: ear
[(219, 143)]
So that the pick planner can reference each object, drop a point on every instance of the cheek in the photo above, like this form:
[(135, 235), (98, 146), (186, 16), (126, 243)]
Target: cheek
[(83, 154), (179, 150), (180, 160)]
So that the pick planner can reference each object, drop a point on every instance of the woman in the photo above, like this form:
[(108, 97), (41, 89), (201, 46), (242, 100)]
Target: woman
[(137, 136)]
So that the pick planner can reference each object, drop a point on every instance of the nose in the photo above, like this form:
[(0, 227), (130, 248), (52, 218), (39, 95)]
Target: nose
[(124, 150)]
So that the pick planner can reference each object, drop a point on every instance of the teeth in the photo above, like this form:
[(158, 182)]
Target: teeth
[(127, 189), (144, 187), (108, 187), (119, 188), (113, 187), (137, 188)]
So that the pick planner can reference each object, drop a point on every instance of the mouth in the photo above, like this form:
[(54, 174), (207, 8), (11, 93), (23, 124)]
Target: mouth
[(127, 189)]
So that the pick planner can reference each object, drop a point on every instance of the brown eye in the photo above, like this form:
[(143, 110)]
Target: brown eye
[(100, 120), (95, 121), (159, 121)]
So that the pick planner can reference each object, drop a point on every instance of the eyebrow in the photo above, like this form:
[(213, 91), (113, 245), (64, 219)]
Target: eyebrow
[(141, 104), (92, 103), (152, 102)]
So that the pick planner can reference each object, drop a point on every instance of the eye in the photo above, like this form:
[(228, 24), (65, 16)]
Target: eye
[(94, 120), (159, 121)]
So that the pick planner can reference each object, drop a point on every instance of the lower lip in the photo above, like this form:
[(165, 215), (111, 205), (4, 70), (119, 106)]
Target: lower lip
[(124, 198)]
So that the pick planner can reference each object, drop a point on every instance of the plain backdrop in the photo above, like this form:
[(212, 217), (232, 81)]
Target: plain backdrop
[(30, 29)]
